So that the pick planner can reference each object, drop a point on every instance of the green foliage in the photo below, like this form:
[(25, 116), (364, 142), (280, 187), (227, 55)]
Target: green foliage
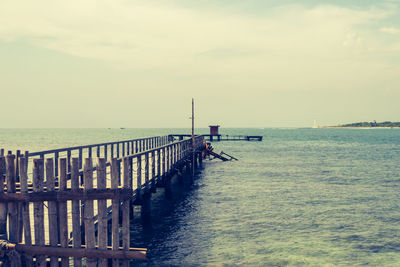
[(372, 124)]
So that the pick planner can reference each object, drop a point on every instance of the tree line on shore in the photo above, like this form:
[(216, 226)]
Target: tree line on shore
[(372, 124)]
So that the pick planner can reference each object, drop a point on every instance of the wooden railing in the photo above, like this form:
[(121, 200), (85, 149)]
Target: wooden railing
[(36, 222), (102, 150)]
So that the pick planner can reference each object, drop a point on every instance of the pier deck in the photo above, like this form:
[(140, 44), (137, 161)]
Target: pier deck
[(220, 137)]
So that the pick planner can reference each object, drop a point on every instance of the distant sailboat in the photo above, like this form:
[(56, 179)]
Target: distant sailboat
[(315, 124)]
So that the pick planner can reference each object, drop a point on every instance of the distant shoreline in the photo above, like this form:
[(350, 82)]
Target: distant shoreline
[(355, 127)]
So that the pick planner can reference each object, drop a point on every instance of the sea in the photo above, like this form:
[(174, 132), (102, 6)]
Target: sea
[(301, 197)]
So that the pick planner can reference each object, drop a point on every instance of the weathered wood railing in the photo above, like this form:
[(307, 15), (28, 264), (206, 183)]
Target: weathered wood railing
[(81, 203), (103, 150)]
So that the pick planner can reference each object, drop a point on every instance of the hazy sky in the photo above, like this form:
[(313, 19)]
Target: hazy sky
[(256, 63)]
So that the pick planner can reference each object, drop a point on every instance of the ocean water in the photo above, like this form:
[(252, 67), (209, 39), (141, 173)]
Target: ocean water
[(302, 197)]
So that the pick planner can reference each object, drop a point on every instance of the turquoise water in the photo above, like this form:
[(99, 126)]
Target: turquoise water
[(302, 197)]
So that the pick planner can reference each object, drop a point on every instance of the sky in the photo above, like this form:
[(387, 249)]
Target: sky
[(247, 63)]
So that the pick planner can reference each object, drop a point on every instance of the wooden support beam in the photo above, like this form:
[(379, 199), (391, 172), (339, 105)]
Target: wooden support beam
[(132, 254), (23, 173), (146, 172), (139, 177), (38, 208), (74, 194), (52, 210), (62, 205), (88, 213), (3, 206), (76, 220), (127, 183), (115, 177), (102, 229)]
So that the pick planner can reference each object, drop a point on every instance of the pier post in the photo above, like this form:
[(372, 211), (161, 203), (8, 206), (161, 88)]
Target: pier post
[(153, 171), (127, 183), (88, 219), (115, 206), (3, 206), (76, 224), (139, 178), (62, 207), (102, 227), (12, 206)]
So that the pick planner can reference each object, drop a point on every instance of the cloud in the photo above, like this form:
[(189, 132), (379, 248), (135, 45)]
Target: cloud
[(390, 30), (261, 51)]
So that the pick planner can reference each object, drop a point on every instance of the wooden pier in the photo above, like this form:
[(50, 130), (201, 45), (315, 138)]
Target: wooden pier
[(87, 192), (220, 137)]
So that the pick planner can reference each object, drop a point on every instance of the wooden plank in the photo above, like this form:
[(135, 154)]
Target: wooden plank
[(102, 209), (76, 194), (146, 172), (3, 206), (118, 150), (159, 163), (90, 152), (176, 153), (89, 213), (60, 150), (105, 151), (52, 210), (173, 153), (115, 177), (127, 183), (76, 224), (123, 149), (63, 215), (18, 155), (98, 151), (38, 208), (12, 207), (80, 158), (168, 158), (69, 160), (136, 146), (171, 156), (23, 174), (132, 207), (153, 170), (163, 162), (112, 151), (56, 162), (139, 177), (134, 254)]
